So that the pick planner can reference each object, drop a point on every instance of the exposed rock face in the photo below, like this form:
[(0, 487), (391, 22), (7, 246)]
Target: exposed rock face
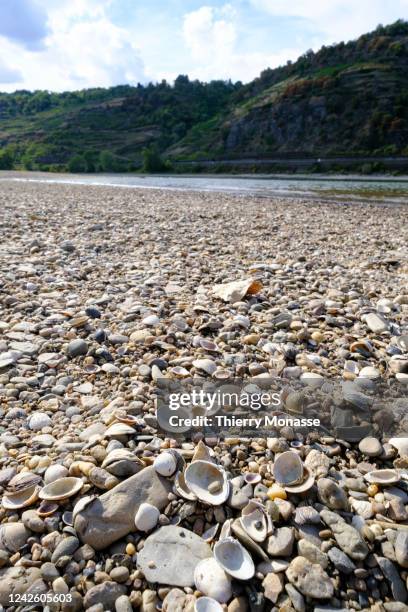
[(112, 515)]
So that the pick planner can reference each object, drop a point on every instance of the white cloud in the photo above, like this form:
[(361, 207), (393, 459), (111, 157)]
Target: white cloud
[(83, 49), (212, 37), (24, 21), (8, 74), (336, 20)]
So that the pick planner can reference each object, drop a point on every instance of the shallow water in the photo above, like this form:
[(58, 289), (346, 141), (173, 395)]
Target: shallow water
[(382, 189)]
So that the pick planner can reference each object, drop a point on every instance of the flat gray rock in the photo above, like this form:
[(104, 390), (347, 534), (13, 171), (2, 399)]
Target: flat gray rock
[(310, 579), (112, 515), (16, 581), (170, 556), (346, 536)]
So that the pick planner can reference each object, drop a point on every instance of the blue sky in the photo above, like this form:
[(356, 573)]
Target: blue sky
[(72, 44)]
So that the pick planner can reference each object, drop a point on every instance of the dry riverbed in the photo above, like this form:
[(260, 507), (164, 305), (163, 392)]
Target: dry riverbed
[(105, 292)]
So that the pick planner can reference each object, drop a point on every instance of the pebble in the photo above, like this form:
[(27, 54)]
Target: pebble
[(310, 579)]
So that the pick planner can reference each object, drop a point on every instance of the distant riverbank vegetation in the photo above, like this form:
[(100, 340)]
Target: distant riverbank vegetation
[(345, 100)]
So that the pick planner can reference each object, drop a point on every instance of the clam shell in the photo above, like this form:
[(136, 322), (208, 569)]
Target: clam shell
[(182, 489), (210, 533), (146, 517), (254, 521), (22, 482), (202, 453), (207, 481), (165, 464), (288, 469), (207, 604), (252, 478), (383, 477), (22, 499), (211, 580), (401, 444), (234, 559), (303, 486), (47, 508), (13, 536), (61, 488), (54, 472), (119, 429)]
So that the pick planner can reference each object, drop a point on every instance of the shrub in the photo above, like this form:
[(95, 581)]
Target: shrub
[(77, 163)]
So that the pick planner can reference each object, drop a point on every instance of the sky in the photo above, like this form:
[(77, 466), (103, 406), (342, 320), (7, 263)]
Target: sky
[(62, 45)]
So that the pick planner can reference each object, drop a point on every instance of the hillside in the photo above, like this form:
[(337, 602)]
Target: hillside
[(346, 99)]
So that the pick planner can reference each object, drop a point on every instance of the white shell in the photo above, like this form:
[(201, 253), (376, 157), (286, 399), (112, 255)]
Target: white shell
[(151, 320), (382, 477), (254, 521), (211, 580), (39, 420), (288, 468), (146, 517), (61, 488), (206, 365), (22, 499), (165, 464), (401, 444), (54, 472), (306, 484), (119, 429), (252, 478), (207, 604), (13, 536), (82, 504), (200, 476), (234, 559), (182, 489)]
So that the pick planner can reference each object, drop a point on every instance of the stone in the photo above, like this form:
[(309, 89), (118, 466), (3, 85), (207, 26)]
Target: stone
[(312, 553), (370, 446), (297, 599), (16, 581), (105, 594), (397, 510), (111, 516), (77, 347), (177, 600), (341, 561), (122, 604), (280, 543), (65, 548), (401, 548), (317, 463), (157, 558), (376, 323), (346, 536), (391, 574), (310, 579), (238, 604), (331, 495), (273, 586)]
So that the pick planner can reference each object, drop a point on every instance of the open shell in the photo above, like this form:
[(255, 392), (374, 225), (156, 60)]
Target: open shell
[(383, 477), (288, 469), (254, 520), (207, 481), (207, 604), (401, 444), (252, 478), (234, 559), (25, 498), (47, 508), (182, 489), (61, 488), (306, 484)]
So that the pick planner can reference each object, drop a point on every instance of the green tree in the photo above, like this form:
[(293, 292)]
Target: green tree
[(6, 160), (152, 161), (108, 162), (77, 163)]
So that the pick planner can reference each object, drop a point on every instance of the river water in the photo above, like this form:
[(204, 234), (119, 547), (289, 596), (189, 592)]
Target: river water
[(380, 189)]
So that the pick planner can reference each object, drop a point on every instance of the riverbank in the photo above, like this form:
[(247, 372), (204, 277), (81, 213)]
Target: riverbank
[(321, 187), (104, 292)]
